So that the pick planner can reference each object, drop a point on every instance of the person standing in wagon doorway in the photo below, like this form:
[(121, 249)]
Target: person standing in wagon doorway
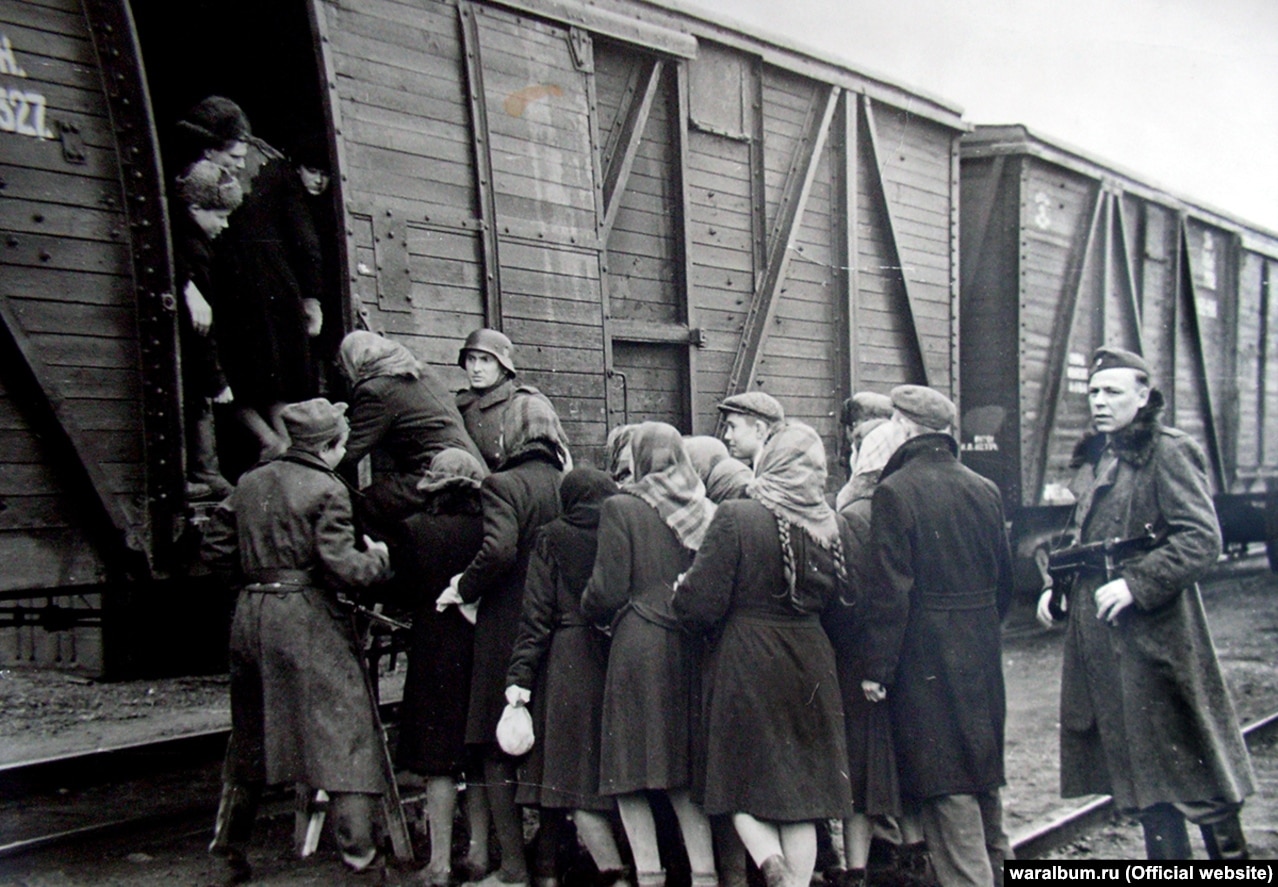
[(1145, 713)]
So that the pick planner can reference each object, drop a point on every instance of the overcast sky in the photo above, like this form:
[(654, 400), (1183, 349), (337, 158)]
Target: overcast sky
[(1182, 92)]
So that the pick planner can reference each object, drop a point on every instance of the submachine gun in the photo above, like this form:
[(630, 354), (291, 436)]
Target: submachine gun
[(1064, 564)]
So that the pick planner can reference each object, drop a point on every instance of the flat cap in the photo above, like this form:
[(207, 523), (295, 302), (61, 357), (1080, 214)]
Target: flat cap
[(313, 423), (1109, 358), (866, 405), (926, 406), (755, 404)]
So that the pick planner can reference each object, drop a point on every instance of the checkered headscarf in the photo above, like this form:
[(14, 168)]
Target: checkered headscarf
[(666, 480)]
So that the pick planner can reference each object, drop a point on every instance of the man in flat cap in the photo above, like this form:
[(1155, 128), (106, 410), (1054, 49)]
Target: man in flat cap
[(940, 580), (1145, 715), (301, 708), (750, 418)]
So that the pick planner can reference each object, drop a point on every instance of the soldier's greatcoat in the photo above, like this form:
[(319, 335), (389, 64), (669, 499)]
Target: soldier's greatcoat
[(1145, 713)]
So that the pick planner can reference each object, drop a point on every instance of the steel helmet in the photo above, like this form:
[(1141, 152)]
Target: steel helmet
[(490, 342)]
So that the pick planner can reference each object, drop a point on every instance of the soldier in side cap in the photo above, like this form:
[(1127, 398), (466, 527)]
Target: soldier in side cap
[(1145, 715), (301, 709), (750, 419), (939, 584)]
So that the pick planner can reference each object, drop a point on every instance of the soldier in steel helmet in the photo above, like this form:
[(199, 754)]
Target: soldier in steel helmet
[(487, 358)]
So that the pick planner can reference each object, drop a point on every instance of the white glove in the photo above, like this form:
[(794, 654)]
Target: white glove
[(517, 696)]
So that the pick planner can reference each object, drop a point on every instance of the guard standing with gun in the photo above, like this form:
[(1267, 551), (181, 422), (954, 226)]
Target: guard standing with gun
[(1145, 713)]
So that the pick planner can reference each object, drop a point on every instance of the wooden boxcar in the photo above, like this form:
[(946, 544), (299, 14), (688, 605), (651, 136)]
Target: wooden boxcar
[(1063, 253), (658, 209)]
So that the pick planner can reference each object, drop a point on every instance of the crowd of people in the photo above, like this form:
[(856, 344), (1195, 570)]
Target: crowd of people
[(699, 625)]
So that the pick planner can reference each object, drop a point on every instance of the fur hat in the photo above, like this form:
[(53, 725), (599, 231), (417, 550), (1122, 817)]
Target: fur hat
[(313, 423), (754, 404), (208, 186), (1108, 358), (926, 406), (214, 121)]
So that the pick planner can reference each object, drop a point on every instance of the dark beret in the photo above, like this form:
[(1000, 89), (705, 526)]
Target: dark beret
[(755, 404), (926, 406), (313, 423), (1109, 358), (866, 405)]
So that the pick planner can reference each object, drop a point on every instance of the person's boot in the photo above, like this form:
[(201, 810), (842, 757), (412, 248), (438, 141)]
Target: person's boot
[(1166, 836), (1224, 839), (231, 831)]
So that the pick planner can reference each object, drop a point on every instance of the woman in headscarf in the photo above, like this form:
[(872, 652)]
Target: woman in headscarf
[(650, 536), (620, 461), (725, 478), (401, 413), (868, 727), (441, 539), (517, 501), (769, 567), (560, 661)]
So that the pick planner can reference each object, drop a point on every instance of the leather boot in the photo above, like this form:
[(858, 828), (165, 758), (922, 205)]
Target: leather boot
[(1166, 836), (234, 825), (1224, 839)]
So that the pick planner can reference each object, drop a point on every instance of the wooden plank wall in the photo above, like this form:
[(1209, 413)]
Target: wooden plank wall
[(989, 315), (1055, 226), (67, 279), (1269, 425), (1248, 368), (915, 156), (1212, 265), (407, 133)]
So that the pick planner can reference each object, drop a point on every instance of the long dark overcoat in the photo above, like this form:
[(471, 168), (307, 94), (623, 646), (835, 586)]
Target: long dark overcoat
[(876, 790), (941, 581), (649, 691), (516, 501), (437, 545), (774, 719), (563, 659), (483, 412), (301, 706), (1145, 713)]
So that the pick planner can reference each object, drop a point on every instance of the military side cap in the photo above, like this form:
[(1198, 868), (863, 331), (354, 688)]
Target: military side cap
[(866, 405), (755, 404), (1107, 358), (926, 406), (314, 422)]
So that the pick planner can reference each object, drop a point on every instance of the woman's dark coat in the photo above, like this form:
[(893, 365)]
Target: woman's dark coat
[(871, 754), (1145, 713), (774, 717), (941, 581), (563, 659), (403, 423), (516, 502), (437, 544), (648, 695), (269, 260)]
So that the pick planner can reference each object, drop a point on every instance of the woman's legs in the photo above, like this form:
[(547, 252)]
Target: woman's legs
[(636, 818), (799, 846), (477, 815), (857, 830), (697, 838), (595, 832), (441, 802), (499, 773)]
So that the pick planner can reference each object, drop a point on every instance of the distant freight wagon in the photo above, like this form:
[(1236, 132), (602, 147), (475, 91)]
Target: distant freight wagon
[(1062, 253), (659, 210)]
